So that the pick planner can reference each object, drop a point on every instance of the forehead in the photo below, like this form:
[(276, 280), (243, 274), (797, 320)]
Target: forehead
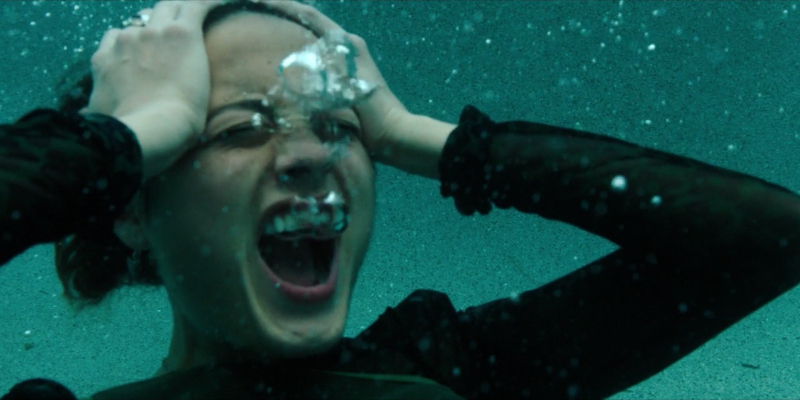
[(244, 52)]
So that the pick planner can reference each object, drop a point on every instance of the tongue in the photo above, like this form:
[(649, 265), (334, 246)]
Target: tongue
[(291, 260)]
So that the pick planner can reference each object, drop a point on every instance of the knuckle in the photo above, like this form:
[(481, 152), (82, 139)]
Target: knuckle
[(307, 14), (176, 31), (108, 38), (127, 35), (168, 32), (98, 59), (111, 33), (358, 41), (147, 34)]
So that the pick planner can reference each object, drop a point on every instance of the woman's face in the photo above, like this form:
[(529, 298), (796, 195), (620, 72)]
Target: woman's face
[(207, 215)]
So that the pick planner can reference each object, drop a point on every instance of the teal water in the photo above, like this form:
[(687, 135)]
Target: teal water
[(716, 81)]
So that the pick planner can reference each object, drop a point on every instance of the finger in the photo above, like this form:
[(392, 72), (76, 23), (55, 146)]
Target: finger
[(195, 12), (307, 15), (164, 13), (108, 40)]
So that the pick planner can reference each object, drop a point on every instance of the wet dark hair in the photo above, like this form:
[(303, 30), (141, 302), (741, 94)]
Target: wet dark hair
[(90, 269)]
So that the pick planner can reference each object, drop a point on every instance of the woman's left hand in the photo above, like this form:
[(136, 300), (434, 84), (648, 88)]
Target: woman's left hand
[(382, 113)]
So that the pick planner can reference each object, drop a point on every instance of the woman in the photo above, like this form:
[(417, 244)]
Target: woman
[(259, 303)]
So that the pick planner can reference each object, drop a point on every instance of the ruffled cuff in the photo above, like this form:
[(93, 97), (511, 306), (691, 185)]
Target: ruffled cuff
[(121, 176), (464, 167)]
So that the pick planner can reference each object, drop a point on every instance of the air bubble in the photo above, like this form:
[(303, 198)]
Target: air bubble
[(619, 183), (655, 200), (256, 120)]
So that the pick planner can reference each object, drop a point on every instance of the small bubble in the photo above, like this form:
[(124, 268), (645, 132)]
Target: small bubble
[(651, 47), (619, 183), (424, 344), (256, 120), (655, 200), (573, 390)]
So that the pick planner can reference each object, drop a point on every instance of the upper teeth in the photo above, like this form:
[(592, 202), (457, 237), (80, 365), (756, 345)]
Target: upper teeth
[(330, 217)]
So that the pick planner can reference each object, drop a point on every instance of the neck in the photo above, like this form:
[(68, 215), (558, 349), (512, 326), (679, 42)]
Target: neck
[(187, 349), (190, 349)]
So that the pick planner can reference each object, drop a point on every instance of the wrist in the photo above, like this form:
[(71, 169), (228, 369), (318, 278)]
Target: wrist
[(163, 134), (415, 145)]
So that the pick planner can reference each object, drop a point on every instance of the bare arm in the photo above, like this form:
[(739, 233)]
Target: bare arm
[(421, 146)]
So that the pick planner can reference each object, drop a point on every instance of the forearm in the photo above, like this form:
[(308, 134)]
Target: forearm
[(638, 198), (63, 173), (421, 146)]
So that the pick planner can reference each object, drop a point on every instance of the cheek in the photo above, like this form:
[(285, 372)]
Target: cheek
[(195, 228), (359, 173), (198, 200), (199, 179)]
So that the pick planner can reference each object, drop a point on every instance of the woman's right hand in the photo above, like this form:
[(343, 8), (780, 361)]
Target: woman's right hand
[(155, 78)]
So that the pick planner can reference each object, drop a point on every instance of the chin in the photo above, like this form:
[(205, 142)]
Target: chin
[(289, 339), (287, 328), (309, 347)]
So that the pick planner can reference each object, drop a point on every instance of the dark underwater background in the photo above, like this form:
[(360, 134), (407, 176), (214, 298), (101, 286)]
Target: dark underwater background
[(713, 80)]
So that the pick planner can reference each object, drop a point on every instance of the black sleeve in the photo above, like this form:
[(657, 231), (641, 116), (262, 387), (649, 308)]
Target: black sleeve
[(700, 248), (62, 174)]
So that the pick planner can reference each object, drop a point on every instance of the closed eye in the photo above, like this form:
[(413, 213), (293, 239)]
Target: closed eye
[(326, 128), (330, 129), (244, 134)]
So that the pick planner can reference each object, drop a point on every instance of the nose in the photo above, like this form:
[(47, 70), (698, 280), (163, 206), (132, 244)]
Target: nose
[(303, 164)]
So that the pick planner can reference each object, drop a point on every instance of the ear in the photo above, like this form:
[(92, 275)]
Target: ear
[(129, 227)]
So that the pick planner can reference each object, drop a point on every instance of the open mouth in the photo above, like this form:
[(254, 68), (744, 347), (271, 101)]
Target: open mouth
[(302, 262), (299, 242)]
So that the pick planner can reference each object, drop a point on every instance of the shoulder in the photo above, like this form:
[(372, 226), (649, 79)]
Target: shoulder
[(419, 329), (422, 308)]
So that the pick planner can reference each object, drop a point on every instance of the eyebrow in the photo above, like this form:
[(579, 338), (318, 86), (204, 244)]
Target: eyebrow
[(256, 105)]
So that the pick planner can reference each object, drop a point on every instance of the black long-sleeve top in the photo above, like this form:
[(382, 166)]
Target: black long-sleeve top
[(700, 248), (62, 174)]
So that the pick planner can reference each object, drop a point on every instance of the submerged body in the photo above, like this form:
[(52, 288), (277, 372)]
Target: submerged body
[(726, 244), (259, 299)]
